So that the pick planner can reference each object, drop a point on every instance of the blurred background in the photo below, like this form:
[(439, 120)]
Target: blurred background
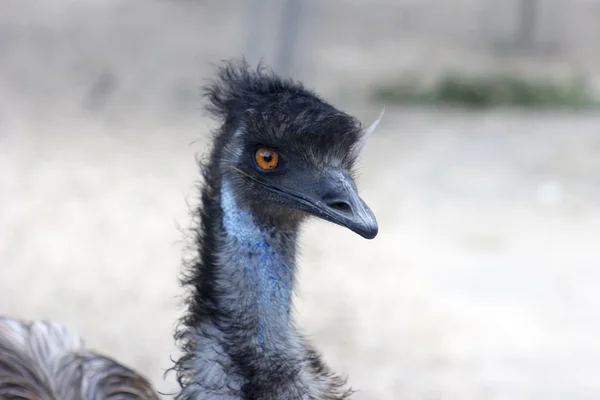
[(484, 174)]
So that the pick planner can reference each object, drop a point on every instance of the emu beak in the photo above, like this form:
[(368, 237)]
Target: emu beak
[(335, 199), (330, 194)]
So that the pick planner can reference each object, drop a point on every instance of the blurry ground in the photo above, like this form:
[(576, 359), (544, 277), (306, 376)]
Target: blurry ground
[(483, 281)]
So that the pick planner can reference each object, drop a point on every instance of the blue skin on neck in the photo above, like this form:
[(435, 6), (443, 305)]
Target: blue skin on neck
[(269, 277)]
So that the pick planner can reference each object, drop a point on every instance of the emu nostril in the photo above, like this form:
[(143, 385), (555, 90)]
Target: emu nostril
[(341, 206)]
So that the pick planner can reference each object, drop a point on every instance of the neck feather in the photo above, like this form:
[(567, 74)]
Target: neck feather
[(257, 264), (238, 337)]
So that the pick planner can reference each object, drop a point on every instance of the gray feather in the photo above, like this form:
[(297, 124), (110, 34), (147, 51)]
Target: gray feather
[(44, 361)]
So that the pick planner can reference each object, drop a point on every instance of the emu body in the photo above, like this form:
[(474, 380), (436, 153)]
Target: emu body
[(280, 155), (44, 361)]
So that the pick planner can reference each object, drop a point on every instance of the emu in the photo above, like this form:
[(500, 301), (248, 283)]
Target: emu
[(280, 155)]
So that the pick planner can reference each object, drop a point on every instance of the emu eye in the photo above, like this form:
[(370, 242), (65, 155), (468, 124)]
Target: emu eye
[(266, 159)]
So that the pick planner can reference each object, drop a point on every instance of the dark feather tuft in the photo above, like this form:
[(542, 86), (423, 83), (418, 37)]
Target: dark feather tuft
[(271, 109), (237, 89)]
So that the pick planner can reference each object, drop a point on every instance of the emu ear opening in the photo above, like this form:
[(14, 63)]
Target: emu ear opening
[(360, 144)]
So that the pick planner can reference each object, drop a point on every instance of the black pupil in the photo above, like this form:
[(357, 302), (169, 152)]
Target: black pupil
[(267, 156)]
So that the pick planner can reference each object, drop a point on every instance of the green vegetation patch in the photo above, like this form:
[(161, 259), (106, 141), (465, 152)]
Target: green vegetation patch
[(481, 92)]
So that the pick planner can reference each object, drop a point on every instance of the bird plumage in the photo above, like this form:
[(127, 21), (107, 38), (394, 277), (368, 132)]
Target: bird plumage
[(280, 155), (44, 361)]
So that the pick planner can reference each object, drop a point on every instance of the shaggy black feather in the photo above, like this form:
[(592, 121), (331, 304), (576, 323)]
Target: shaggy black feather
[(282, 112), (284, 115)]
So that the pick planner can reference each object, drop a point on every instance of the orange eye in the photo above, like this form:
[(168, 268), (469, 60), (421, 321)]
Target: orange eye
[(266, 159)]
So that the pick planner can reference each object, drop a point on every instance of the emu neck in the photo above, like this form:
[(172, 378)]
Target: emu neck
[(257, 270), (239, 339)]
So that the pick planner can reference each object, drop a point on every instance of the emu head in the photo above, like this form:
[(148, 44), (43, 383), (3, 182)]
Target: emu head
[(286, 153)]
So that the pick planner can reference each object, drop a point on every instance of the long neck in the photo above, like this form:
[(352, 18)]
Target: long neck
[(256, 273), (238, 337)]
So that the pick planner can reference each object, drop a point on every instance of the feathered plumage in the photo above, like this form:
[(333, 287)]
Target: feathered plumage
[(44, 361), (227, 356), (280, 155)]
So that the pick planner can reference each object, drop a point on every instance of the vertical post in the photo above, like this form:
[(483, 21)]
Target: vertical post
[(527, 24), (256, 29), (276, 32), (292, 17)]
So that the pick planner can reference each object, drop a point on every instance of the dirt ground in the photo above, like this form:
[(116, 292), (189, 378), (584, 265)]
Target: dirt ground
[(482, 283)]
